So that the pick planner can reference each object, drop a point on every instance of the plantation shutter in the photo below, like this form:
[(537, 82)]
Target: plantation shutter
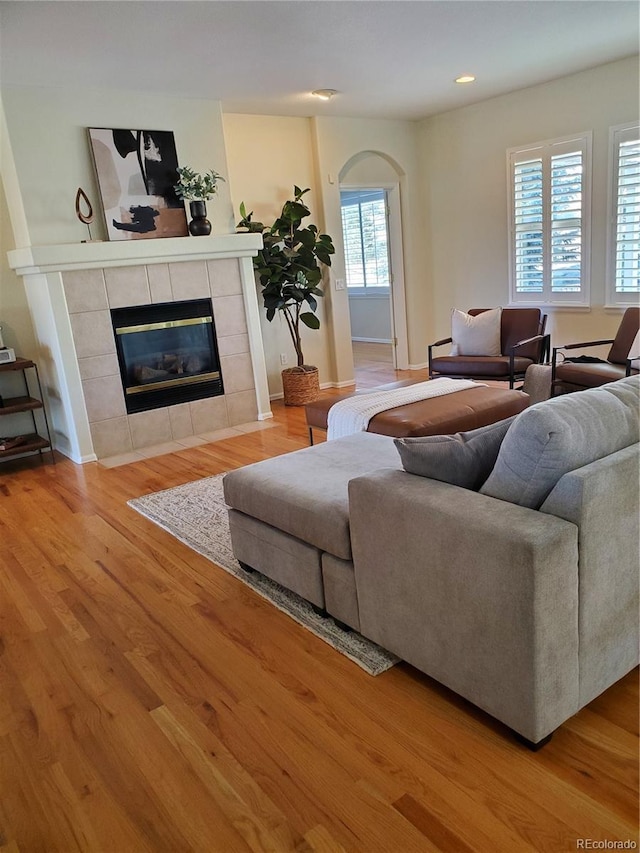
[(529, 248), (364, 227), (627, 211), (566, 222), (353, 248), (549, 222)]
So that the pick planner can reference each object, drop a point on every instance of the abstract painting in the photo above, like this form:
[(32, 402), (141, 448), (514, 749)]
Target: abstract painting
[(137, 171)]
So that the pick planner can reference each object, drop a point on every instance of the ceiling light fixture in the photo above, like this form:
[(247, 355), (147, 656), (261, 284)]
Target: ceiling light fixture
[(465, 78), (325, 94)]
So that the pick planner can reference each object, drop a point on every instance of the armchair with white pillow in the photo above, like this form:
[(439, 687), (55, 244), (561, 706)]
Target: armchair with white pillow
[(492, 344)]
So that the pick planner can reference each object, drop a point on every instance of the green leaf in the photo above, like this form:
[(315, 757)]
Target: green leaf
[(295, 211), (306, 237), (310, 320), (313, 276), (323, 256)]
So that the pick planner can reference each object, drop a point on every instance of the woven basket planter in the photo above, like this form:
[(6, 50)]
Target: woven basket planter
[(300, 385)]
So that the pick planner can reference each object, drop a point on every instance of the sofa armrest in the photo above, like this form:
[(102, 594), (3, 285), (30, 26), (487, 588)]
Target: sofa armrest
[(480, 594), (601, 499)]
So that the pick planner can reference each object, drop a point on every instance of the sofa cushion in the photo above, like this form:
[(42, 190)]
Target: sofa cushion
[(305, 493), (476, 335), (562, 434), (465, 459)]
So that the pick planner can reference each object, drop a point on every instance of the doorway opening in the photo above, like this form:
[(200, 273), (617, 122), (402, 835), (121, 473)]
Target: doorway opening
[(372, 236), (365, 230)]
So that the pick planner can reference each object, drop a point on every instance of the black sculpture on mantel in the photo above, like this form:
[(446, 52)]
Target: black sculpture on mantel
[(87, 217)]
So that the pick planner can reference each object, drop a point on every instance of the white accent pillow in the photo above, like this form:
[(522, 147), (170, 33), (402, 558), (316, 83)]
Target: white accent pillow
[(479, 335)]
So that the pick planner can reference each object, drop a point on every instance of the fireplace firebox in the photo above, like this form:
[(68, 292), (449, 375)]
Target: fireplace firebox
[(168, 353)]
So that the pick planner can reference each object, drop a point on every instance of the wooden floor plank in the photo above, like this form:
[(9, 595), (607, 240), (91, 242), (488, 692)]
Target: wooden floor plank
[(150, 701)]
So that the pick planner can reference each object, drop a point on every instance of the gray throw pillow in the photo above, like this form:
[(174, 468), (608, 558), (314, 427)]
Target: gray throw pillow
[(465, 459), (560, 435)]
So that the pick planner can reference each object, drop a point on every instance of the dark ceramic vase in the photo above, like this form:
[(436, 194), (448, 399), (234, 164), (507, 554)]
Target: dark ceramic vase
[(199, 225)]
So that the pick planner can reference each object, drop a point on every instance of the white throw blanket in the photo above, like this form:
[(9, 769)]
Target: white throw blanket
[(353, 414)]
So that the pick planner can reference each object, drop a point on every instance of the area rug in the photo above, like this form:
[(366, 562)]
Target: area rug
[(196, 514)]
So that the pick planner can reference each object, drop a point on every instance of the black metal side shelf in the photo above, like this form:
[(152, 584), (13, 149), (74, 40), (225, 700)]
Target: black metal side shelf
[(13, 445)]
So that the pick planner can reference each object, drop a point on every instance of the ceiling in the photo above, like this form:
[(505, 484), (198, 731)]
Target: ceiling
[(387, 58)]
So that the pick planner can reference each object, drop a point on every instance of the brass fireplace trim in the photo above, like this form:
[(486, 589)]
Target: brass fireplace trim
[(168, 324), (171, 383)]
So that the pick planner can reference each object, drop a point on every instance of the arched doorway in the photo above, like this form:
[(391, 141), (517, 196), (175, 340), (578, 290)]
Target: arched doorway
[(370, 187)]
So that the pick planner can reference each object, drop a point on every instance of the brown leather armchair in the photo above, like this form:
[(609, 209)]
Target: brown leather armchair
[(522, 343), (568, 375)]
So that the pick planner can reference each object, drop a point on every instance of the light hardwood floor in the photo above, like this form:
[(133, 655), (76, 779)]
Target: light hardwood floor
[(373, 365), (151, 702)]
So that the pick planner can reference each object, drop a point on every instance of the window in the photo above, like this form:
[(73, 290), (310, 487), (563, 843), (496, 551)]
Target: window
[(549, 219), (366, 242), (623, 271)]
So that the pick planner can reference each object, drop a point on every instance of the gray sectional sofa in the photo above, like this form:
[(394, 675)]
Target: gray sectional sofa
[(506, 568)]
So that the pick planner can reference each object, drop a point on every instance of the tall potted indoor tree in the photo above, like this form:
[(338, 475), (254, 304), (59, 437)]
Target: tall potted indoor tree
[(289, 271)]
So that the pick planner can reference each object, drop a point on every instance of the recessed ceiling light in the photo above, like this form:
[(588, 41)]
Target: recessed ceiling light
[(325, 94), (465, 78)]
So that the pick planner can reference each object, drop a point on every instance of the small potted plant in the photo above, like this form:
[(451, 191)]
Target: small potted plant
[(197, 190), (289, 271)]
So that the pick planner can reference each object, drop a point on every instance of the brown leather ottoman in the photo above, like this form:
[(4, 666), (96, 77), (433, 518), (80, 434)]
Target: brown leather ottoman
[(451, 413)]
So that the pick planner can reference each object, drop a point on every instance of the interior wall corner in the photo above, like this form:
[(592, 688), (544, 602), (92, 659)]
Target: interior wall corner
[(9, 175)]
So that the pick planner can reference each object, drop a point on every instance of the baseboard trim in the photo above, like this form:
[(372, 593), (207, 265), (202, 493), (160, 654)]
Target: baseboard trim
[(423, 366), (323, 387), (78, 459)]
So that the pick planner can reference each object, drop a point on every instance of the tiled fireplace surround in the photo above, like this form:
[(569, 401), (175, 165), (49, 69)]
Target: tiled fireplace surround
[(78, 354)]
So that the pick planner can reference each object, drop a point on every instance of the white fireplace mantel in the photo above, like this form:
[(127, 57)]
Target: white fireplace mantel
[(43, 269), (102, 254)]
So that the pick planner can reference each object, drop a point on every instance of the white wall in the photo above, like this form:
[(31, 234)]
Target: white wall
[(370, 317), (464, 190), (337, 142), (15, 319), (48, 134), (267, 156)]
